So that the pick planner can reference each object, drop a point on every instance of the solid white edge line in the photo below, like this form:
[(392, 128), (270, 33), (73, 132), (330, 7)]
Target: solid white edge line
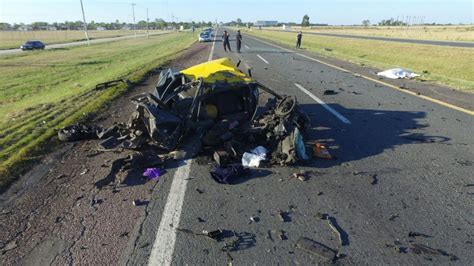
[(163, 247), (323, 104), (263, 59), (212, 48)]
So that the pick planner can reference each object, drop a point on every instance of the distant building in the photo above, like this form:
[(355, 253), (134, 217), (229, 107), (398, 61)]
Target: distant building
[(52, 28), (25, 28), (266, 23), (101, 28)]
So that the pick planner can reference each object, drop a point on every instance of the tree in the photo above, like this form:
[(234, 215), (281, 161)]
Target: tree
[(305, 21), (366, 23), (239, 22)]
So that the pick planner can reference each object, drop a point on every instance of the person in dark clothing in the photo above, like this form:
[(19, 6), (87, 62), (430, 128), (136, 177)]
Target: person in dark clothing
[(225, 41), (298, 39), (238, 39)]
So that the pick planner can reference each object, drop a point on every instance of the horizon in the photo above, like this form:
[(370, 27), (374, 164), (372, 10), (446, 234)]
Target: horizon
[(333, 13)]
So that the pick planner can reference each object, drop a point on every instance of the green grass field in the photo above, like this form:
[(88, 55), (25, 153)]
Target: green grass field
[(451, 66), (436, 33), (13, 39), (42, 91)]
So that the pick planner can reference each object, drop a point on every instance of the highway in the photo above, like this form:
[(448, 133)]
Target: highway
[(404, 166), (399, 169)]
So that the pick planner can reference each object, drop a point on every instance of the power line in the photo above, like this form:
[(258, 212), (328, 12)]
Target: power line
[(134, 24)]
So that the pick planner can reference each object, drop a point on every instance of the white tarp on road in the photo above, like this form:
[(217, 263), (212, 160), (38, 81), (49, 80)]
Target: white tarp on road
[(398, 73)]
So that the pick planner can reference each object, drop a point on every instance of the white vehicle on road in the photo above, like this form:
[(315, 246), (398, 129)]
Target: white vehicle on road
[(205, 36)]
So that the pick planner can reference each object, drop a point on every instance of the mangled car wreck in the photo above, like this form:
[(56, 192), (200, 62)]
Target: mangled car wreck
[(213, 109)]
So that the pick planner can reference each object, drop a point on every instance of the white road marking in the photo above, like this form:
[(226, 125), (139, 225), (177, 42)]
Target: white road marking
[(163, 248), (212, 48), (323, 104), (263, 59), (246, 46)]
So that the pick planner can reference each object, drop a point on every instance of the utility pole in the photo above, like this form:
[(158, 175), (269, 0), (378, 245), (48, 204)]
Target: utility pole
[(147, 21), (85, 23), (134, 25)]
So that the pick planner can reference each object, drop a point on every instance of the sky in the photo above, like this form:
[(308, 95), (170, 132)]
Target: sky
[(333, 12)]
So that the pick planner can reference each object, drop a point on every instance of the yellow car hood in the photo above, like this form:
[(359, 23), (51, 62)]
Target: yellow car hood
[(220, 70)]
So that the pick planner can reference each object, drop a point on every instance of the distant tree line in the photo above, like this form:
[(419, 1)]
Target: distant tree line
[(92, 25)]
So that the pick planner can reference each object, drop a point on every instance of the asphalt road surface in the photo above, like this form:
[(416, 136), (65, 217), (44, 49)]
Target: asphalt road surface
[(430, 42), (71, 44), (404, 164)]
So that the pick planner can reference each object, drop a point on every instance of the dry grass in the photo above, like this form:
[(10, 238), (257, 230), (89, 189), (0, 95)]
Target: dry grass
[(13, 39), (437, 33)]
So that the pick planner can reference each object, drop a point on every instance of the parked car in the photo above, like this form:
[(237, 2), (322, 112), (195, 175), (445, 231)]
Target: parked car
[(205, 36), (32, 45)]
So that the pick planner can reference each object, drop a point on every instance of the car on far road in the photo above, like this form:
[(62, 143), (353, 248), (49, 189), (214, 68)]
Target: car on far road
[(32, 45), (205, 36)]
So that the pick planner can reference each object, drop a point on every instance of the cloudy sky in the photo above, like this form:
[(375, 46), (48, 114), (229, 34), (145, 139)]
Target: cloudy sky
[(336, 12)]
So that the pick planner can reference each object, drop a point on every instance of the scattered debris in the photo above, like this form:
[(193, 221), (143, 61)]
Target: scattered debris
[(375, 180), (342, 235), (254, 219), (328, 49), (225, 175), (424, 249), (107, 84), (316, 248), (84, 172), (416, 234), (139, 202), (301, 175), (393, 217), (152, 173), (398, 73), (201, 220), (330, 92), (216, 234), (281, 234), (254, 157), (200, 191), (284, 216), (320, 151)]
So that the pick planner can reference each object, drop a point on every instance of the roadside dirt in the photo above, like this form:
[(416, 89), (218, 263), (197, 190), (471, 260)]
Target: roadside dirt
[(70, 208)]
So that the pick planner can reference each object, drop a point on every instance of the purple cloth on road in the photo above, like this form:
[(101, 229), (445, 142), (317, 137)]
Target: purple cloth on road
[(152, 173)]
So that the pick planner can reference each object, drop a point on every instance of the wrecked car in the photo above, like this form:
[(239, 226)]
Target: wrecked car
[(212, 107)]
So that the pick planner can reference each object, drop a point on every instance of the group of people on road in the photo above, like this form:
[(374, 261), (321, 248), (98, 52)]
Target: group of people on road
[(226, 41), (238, 40)]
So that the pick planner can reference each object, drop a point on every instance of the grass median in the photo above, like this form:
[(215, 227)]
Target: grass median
[(451, 66), (42, 91)]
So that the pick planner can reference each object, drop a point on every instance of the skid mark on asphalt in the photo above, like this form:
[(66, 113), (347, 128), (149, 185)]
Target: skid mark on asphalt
[(163, 247), (323, 104)]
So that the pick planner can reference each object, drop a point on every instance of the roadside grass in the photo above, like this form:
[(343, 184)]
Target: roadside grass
[(13, 39), (435, 33), (451, 66), (43, 91)]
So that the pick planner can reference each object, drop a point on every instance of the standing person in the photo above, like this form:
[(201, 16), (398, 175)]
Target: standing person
[(225, 41), (298, 39), (238, 40)]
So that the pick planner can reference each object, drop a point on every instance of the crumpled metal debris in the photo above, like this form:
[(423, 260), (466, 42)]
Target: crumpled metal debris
[(189, 113)]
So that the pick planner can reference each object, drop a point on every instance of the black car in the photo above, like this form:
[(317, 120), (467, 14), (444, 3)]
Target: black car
[(31, 45)]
